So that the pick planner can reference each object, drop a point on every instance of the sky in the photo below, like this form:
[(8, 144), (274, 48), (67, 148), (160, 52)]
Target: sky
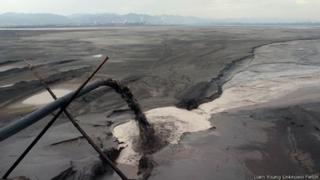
[(213, 9)]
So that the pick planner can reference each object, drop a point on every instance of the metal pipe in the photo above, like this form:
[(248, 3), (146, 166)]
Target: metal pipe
[(44, 130), (24, 122), (102, 155)]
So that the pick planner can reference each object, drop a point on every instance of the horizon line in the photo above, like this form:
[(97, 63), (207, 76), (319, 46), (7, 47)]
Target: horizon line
[(204, 18)]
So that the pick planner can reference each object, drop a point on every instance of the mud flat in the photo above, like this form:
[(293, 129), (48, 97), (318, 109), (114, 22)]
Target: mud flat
[(266, 121), (276, 70), (257, 126)]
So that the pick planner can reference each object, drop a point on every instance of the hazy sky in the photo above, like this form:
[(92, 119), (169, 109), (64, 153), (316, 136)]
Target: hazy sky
[(217, 9)]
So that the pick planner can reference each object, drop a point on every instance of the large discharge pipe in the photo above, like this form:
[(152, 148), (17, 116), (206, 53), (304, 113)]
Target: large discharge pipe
[(146, 131)]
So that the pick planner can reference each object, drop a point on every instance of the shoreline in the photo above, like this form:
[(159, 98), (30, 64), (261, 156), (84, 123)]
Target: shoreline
[(222, 78)]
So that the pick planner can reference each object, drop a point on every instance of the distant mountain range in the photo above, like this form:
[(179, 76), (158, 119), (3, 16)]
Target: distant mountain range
[(107, 19), (24, 19)]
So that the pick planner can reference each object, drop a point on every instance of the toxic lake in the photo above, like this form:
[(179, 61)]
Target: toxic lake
[(225, 102)]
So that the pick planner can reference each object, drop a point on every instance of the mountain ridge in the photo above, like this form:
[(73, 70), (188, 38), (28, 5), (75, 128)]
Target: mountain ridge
[(104, 19)]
